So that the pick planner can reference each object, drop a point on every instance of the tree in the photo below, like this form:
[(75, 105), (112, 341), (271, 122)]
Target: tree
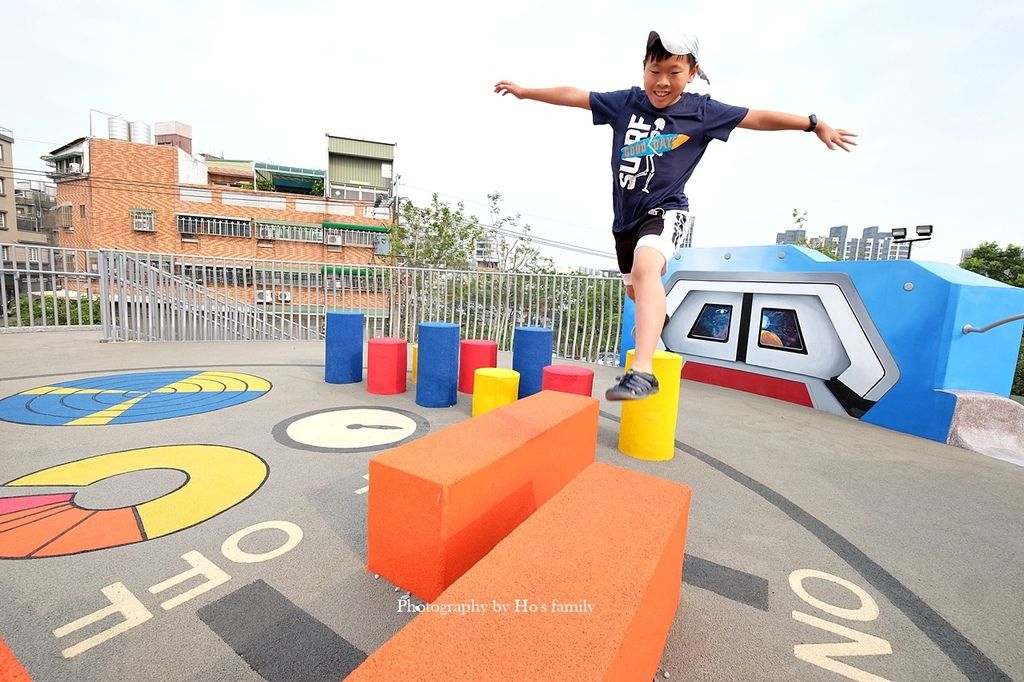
[(515, 254), (800, 218), (1003, 265), (820, 244), (318, 188), (436, 236)]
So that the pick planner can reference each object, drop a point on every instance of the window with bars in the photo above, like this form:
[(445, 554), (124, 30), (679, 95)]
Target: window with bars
[(143, 220), (213, 274), (64, 217), (351, 237), (294, 233), (214, 225), (350, 193), (308, 278)]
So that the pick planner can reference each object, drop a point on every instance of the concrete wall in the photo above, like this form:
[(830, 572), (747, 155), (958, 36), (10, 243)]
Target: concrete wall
[(7, 204)]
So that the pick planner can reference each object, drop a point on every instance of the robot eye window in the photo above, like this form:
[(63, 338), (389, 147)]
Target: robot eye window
[(780, 330), (712, 323)]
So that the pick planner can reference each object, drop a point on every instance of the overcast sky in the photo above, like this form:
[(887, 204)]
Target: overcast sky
[(934, 88)]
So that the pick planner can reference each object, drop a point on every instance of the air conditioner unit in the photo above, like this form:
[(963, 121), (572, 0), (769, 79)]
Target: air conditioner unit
[(188, 235), (264, 296), (265, 233), (74, 167), (335, 240), (284, 297)]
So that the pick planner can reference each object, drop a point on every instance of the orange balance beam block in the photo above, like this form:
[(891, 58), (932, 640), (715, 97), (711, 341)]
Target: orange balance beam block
[(11, 669), (585, 589), (440, 503)]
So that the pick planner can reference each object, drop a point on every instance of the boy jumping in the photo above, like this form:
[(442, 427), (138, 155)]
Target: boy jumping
[(661, 122)]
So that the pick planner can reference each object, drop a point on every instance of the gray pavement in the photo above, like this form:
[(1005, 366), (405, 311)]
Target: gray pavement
[(805, 528)]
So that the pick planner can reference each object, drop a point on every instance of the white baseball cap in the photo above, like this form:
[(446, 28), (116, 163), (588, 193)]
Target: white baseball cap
[(680, 44)]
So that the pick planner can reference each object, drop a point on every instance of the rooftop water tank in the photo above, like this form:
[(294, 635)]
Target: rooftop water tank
[(117, 128), (141, 132)]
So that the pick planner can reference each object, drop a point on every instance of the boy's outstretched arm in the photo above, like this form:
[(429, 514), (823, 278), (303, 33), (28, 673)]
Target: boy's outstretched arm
[(775, 120), (563, 96)]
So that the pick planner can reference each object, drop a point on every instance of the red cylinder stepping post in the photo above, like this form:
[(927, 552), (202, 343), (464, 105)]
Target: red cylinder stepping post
[(474, 354), (568, 379), (386, 365)]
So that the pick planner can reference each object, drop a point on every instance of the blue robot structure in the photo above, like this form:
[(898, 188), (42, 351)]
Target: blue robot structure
[(880, 341)]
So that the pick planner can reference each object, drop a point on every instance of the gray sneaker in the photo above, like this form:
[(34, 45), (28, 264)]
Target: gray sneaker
[(633, 386)]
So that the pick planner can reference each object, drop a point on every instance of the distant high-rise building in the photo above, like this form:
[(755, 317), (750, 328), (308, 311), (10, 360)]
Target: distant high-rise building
[(791, 237), (486, 253), (965, 254), (838, 237), (871, 245)]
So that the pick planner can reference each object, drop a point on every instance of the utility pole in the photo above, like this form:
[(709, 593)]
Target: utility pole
[(393, 201)]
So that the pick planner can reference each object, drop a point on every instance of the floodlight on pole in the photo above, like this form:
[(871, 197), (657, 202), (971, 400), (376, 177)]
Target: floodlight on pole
[(899, 236)]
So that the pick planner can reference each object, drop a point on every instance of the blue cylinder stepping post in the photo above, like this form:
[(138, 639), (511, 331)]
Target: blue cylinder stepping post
[(531, 353), (343, 361), (437, 380)]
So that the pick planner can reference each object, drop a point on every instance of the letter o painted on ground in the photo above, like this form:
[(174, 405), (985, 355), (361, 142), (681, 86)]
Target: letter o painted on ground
[(868, 609), (231, 550)]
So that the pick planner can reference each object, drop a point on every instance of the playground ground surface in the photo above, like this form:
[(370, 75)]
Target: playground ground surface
[(801, 524)]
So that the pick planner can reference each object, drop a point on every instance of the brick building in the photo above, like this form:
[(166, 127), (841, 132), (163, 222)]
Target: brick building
[(116, 194), (160, 199)]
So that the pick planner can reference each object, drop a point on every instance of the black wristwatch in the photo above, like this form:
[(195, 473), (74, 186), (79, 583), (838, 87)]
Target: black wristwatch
[(813, 123)]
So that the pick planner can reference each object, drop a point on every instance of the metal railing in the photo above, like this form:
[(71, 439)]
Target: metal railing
[(42, 286), (174, 297), (981, 330), (145, 300)]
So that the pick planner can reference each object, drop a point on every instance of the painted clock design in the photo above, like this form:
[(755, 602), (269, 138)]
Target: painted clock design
[(350, 429)]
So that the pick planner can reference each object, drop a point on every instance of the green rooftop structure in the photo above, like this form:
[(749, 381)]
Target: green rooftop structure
[(288, 179), (359, 170)]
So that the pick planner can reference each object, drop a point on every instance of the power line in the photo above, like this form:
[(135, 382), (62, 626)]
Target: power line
[(471, 201), (173, 190)]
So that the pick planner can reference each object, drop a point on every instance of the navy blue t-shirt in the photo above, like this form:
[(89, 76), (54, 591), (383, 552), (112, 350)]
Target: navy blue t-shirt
[(654, 151)]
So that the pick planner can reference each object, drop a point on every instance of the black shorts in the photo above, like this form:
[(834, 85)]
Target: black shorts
[(665, 232)]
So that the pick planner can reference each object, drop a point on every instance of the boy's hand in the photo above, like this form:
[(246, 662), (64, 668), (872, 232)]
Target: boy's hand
[(562, 95), (834, 137), (508, 87)]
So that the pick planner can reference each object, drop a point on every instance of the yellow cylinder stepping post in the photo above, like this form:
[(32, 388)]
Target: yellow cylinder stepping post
[(494, 387), (415, 360), (648, 428)]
